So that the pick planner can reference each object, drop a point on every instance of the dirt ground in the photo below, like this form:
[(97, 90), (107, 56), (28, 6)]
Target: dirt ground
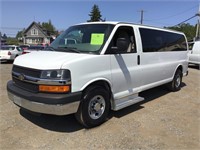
[(165, 120)]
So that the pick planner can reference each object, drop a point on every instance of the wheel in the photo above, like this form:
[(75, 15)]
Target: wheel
[(94, 107), (175, 85)]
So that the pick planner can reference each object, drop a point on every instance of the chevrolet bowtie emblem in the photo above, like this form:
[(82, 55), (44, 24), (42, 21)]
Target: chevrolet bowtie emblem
[(21, 77)]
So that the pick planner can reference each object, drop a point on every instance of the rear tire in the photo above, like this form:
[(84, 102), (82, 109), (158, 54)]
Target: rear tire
[(175, 85), (94, 107)]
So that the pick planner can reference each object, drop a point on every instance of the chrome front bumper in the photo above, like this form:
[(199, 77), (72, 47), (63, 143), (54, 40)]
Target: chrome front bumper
[(60, 109)]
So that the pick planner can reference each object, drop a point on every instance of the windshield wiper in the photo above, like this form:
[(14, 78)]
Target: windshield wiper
[(69, 49)]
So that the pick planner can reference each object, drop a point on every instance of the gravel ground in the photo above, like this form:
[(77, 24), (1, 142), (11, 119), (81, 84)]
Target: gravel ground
[(165, 120)]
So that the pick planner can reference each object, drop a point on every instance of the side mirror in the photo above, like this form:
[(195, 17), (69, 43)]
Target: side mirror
[(121, 45)]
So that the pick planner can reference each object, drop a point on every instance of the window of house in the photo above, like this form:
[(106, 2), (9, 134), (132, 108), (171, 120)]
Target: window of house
[(29, 41), (34, 31)]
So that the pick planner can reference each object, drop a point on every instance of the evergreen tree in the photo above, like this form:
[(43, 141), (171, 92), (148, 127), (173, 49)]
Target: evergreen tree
[(4, 36), (48, 26), (95, 14), (19, 34)]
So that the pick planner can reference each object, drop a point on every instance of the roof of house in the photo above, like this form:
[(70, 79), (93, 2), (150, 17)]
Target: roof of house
[(38, 26)]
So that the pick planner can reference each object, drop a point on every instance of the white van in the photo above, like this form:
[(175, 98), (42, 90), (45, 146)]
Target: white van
[(105, 68), (194, 56)]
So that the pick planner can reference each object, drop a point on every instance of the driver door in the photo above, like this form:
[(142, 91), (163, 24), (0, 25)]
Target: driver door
[(125, 70)]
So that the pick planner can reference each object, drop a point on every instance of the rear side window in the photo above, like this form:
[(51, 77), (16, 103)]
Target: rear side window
[(19, 49), (161, 41)]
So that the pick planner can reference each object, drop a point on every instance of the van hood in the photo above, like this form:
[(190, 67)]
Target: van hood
[(47, 60)]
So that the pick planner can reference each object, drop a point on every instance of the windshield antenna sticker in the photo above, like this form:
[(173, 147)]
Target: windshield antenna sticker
[(97, 39)]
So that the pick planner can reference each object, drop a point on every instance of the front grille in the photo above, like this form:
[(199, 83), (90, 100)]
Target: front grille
[(27, 71), (26, 86)]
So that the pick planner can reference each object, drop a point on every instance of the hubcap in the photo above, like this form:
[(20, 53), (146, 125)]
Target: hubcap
[(178, 81), (96, 107)]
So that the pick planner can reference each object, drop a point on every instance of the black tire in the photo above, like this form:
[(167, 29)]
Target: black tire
[(175, 85), (94, 107)]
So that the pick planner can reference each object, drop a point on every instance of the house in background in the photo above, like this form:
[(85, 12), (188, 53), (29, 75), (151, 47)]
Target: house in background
[(36, 35), (2, 39)]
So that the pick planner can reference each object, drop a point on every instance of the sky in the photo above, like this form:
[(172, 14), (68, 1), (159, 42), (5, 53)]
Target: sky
[(18, 14)]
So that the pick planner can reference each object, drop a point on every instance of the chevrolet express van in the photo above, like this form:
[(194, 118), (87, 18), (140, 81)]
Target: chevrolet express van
[(105, 68)]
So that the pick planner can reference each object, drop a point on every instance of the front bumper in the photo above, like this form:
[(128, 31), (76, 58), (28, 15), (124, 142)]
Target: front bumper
[(55, 104)]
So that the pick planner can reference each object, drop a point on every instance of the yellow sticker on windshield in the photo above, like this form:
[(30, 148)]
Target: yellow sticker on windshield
[(97, 38)]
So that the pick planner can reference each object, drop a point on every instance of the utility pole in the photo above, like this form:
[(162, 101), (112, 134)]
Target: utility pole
[(198, 22), (142, 16)]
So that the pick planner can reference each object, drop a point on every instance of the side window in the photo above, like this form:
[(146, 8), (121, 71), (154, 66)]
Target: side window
[(159, 41), (122, 42), (19, 49), (11, 48)]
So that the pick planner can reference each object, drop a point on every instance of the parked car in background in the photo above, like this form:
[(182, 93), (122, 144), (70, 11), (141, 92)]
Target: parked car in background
[(24, 47), (194, 56), (33, 48), (9, 52)]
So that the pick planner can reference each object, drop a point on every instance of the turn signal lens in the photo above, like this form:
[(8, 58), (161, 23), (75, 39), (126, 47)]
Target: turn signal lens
[(54, 88)]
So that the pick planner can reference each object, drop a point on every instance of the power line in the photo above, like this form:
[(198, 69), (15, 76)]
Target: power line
[(12, 28), (158, 22), (186, 20), (171, 16), (12, 31)]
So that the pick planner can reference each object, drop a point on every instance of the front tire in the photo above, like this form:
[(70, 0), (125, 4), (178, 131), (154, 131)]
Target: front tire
[(175, 85), (94, 107)]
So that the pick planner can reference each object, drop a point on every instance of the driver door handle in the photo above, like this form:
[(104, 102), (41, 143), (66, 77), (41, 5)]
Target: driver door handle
[(138, 59)]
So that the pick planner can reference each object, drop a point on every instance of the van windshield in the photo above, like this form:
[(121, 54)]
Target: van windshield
[(88, 38)]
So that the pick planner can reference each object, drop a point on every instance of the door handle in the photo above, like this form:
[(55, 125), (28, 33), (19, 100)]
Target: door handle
[(138, 59)]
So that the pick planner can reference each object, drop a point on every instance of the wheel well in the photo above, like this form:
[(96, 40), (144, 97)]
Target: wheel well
[(180, 68), (103, 84)]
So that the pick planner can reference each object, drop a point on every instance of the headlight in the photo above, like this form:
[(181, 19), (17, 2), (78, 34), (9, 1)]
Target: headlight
[(55, 81), (55, 74)]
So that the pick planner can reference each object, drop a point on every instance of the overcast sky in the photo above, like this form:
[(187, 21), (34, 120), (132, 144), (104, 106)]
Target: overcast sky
[(18, 14)]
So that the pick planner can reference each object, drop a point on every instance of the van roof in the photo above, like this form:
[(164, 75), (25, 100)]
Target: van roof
[(130, 23), (100, 22)]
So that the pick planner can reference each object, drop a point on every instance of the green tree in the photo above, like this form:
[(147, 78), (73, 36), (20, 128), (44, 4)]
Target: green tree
[(186, 28), (95, 14), (4, 36), (19, 34), (12, 41), (49, 27)]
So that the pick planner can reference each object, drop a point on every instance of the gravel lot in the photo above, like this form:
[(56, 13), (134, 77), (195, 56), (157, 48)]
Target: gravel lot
[(165, 120)]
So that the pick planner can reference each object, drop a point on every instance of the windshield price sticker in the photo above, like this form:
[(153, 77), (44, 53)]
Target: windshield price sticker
[(97, 38)]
